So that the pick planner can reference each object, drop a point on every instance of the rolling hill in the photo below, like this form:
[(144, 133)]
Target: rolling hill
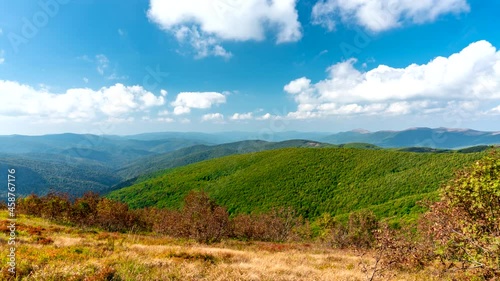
[(199, 153), (311, 181), (77, 170), (108, 150), (40, 173)]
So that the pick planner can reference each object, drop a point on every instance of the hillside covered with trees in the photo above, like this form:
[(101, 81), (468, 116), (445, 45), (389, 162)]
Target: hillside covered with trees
[(336, 181)]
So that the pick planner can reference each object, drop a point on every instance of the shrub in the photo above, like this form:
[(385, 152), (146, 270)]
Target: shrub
[(203, 219), (462, 230), (30, 205), (84, 210), (358, 232), (56, 207), (403, 248), (361, 228), (113, 216), (276, 225), (166, 222), (465, 224)]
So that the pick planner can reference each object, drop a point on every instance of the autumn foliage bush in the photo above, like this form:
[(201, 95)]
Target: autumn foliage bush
[(461, 231), (357, 232), (276, 225), (465, 224), (90, 210)]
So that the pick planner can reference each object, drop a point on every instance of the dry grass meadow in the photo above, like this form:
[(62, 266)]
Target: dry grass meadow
[(46, 251)]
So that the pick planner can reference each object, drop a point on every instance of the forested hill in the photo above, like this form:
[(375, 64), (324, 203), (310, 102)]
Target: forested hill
[(311, 181), (197, 153), (76, 170)]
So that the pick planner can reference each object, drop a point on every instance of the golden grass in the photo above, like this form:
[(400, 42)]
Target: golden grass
[(80, 255)]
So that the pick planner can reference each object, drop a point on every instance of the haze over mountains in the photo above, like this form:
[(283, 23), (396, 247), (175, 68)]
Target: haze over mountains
[(421, 137), (76, 163)]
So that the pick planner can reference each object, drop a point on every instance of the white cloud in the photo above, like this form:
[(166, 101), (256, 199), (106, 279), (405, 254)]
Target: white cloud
[(102, 66), (200, 100), (467, 78), (165, 119), (298, 85), (266, 116), (77, 104), (164, 113), (242, 116), (495, 111), (380, 15), (215, 117), (118, 120), (114, 76), (179, 110), (203, 45), (209, 22), (102, 63)]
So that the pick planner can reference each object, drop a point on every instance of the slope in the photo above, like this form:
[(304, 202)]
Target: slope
[(311, 181), (197, 153)]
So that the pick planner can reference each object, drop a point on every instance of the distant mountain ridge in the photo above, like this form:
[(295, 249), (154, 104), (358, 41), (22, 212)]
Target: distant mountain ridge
[(445, 138), (161, 142)]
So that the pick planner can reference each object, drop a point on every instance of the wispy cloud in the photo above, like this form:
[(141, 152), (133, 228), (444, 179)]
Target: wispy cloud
[(102, 63), (380, 15)]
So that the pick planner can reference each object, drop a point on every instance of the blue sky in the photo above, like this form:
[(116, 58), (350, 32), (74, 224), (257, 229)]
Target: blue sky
[(124, 67)]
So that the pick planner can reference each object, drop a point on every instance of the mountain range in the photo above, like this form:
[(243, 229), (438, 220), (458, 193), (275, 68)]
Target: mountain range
[(76, 163)]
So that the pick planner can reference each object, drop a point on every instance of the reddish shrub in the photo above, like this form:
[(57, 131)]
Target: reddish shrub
[(203, 219), (84, 209), (275, 226)]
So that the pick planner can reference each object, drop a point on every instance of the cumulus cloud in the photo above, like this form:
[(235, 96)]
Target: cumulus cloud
[(267, 116), (205, 24), (462, 79), (380, 15), (242, 116), (214, 117), (76, 104), (200, 100)]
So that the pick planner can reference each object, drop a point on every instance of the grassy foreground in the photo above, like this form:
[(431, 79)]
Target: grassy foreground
[(47, 251)]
